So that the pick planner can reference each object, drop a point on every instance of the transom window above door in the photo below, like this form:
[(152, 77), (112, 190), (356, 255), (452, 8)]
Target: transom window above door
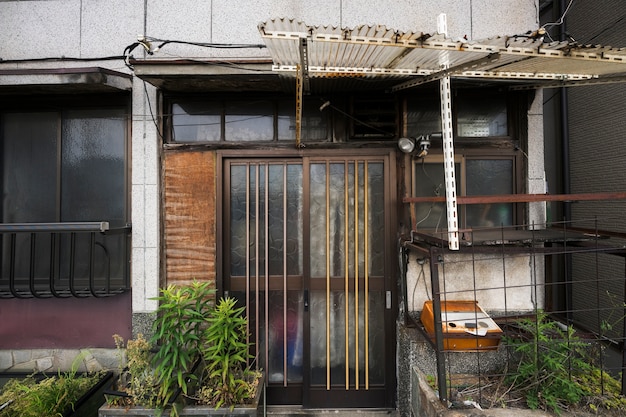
[(195, 120)]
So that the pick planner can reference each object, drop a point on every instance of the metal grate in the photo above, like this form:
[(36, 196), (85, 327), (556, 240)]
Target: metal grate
[(80, 259)]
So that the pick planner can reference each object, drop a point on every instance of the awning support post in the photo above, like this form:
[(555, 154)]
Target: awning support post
[(448, 146)]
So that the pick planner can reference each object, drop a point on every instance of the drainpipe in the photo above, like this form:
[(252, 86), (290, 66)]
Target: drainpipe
[(567, 209)]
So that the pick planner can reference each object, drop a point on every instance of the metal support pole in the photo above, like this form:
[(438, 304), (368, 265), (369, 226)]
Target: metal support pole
[(448, 146), (441, 358)]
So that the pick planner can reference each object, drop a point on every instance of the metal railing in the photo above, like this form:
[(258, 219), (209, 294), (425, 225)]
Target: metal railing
[(74, 259)]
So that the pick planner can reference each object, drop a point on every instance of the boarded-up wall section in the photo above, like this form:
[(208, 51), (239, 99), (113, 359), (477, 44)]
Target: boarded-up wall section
[(189, 218)]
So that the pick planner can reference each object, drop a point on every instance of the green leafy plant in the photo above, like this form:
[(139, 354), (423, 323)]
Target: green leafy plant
[(51, 396), (555, 368), (229, 380), (181, 317)]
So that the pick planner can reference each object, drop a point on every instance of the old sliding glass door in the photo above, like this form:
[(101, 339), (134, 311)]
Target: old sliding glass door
[(307, 250)]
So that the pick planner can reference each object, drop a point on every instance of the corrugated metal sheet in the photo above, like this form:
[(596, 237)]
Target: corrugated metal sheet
[(377, 51)]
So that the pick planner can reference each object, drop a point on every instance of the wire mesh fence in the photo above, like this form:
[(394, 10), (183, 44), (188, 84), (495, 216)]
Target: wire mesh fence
[(530, 317)]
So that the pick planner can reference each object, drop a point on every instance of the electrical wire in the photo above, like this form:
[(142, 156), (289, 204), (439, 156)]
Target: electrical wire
[(561, 19)]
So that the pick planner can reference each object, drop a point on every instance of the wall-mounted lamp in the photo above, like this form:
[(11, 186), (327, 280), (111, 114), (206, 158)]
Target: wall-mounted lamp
[(417, 146)]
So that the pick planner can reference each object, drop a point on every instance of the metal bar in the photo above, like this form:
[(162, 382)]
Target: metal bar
[(53, 264), (327, 276), (448, 161), (304, 66), (366, 271), (72, 263), (285, 293), (31, 273), (12, 288), (623, 373), (489, 59), (299, 87), (267, 270), (92, 258), (520, 198), (256, 256), (346, 195), (356, 275), (256, 347), (55, 227), (439, 352)]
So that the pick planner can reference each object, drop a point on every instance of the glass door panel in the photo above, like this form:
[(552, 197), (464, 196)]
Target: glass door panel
[(306, 255)]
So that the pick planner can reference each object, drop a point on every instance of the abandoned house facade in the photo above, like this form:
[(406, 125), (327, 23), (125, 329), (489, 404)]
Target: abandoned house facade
[(257, 148)]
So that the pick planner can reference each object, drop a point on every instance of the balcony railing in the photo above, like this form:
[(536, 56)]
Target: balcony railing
[(80, 259)]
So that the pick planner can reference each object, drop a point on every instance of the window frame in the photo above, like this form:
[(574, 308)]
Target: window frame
[(223, 102), (461, 157)]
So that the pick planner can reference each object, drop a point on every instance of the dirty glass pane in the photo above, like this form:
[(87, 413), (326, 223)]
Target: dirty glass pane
[(317, 212), (376, 220), (29, 162), (238, 242), (249, 121), (344, 329), (294, 219), (430, 182), (489, 177), (92, 173), (423, 117), (285, 335), (480, 117), (196, 121), (29, 149), (314, 122), (248, 202)]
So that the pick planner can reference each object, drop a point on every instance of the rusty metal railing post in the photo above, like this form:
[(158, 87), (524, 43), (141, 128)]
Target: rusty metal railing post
[(435, 259)]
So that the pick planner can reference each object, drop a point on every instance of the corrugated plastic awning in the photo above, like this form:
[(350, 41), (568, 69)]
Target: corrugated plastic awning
[(416, 58)]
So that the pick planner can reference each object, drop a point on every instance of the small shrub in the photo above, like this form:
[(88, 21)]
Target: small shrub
[(555, 369)]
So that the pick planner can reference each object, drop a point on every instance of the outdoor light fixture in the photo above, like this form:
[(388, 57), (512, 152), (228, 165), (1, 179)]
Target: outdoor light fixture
[(417, 146)]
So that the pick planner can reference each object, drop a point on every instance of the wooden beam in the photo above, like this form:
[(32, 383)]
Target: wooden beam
[(519, 198)]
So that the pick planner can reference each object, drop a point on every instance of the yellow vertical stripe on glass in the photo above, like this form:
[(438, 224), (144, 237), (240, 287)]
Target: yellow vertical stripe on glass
[(327, 276), (346, 192), (356, 273), (366, 272)]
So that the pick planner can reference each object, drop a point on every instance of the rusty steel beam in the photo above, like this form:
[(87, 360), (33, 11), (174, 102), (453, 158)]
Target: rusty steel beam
[(520, 198)]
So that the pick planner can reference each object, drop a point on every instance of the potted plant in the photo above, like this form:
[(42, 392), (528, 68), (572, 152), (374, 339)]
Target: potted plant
[(159, 370), (228, 381), (66, 394), (195, 362)]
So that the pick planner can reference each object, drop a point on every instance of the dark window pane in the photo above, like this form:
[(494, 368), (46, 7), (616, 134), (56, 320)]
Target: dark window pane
[(29, 174), (489, 177), (314, 122), (422, 118), (249, 121), (92, 172), (196, 122), (430, 182), (481, 117)]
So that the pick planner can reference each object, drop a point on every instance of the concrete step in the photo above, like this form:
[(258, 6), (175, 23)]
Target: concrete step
[(344, 412)]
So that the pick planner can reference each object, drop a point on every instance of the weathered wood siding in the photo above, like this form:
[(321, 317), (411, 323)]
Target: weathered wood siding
[(189, 216)]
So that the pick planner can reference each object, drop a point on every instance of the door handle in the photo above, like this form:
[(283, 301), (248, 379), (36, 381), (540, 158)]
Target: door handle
[(306, 300)]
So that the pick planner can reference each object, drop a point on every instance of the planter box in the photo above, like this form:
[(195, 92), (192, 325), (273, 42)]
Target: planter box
[(86, 406), (256, 408)]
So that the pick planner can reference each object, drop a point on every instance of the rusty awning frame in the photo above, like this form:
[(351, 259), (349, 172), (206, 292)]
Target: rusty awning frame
[(416, 58)]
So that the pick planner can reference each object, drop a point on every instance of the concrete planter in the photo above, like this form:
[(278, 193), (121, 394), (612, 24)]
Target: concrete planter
[(254, 409)]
